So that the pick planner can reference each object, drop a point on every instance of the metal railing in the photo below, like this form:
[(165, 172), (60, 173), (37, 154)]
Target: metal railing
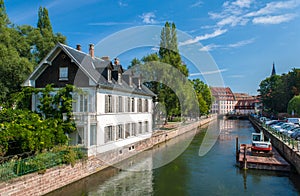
[(293, 143), (18, 167)]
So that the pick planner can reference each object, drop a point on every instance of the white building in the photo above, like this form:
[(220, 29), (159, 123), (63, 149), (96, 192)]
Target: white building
[(115, 108), (224, 102)]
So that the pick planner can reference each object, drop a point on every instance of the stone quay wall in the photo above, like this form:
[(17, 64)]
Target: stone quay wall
[(60, 176), (287, 151)]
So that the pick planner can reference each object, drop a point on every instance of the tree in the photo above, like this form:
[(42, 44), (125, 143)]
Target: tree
[(171, 84), (45, 39), (44, 20), (276, 91), (294, 105), (21, 49), (203, 94), (168, 50), (4, 20)]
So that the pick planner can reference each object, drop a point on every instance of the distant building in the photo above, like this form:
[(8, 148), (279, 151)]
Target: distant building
[(246, 104), (224, 100), (115, 108)]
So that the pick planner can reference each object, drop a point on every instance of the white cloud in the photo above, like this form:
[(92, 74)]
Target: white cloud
[(148, 18), (273, 7), (274, 19), (241, 43), (216, 33), (242, 3), (240, 12), (209, 47), (232, 21), (122, 4), (197, 4), (208, 72)]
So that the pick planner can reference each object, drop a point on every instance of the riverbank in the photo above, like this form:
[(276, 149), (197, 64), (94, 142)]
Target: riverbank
[(57, 177), (290, 152)]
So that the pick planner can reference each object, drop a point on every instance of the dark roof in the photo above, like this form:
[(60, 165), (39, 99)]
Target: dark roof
[(96, 69)]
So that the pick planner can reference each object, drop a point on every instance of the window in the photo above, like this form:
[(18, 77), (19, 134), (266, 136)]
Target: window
[(133, 129), (127, 130), (120, 104), (120, 132), (77, 137), (109, 75), (130, 80), (128, 104), (119, 78), (140, 128), (108, 104), (140, 105), (146, 106), (146, 127), (63, 73), (109, 134), (80, 136), (93, 135), (83, 103), (132, 105)]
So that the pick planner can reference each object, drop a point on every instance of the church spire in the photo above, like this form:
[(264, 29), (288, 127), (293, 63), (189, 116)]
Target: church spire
[(273, 70)]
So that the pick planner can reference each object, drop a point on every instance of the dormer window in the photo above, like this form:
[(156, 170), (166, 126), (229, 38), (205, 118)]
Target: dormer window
[(120, 78), (139, 83), (130, 80), (109, 75), (63, 73)]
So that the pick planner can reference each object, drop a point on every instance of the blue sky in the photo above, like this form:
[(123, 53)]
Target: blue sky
[(244, 37)]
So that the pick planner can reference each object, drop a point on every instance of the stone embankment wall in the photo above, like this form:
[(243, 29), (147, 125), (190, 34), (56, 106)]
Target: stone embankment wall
[(288, 152), (57, 177)]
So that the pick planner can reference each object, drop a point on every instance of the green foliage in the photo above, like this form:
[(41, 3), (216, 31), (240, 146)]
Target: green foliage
[(24, 131), (21, 49), (168, 50), (155, 68), (294, 105), (203, 94), (276, 91)]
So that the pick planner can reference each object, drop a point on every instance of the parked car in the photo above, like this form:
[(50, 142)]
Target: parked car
[(277, 125), (293, 120), (263, 119), (296, 134), (282, 127), (288, 130)]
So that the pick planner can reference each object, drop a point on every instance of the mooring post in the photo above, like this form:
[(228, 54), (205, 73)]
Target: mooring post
[(237, 148), (245, 159)]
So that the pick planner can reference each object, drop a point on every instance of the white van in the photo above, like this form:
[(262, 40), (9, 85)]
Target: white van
[(293, 120)]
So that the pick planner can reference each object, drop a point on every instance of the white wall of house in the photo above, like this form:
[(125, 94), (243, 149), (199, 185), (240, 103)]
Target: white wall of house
[(127, 125)]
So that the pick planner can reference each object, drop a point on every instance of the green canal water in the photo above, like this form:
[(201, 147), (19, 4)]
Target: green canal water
[(214, 173)]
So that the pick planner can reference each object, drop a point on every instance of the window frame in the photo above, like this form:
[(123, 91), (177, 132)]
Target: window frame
[(63, 73)]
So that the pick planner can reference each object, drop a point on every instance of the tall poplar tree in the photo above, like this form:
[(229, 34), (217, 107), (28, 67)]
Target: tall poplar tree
[(44, 37)]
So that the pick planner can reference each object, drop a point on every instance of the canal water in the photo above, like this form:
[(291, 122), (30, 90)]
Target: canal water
[(213, 173)]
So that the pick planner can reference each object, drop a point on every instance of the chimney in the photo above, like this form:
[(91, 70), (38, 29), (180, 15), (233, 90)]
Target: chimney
[(105, 58), (78, 47), (92, 51), (117, 61)]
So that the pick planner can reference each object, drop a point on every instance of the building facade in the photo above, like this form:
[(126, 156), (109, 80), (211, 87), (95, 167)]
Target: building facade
[(114, 108), (224, 100)]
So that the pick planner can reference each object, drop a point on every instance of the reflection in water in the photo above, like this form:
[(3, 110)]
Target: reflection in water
[(214, 173)]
